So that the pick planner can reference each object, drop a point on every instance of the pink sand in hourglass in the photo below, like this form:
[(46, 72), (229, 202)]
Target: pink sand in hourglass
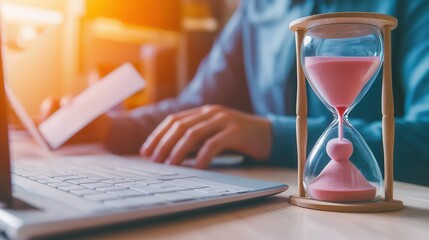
[(340, 180), (339, 80)]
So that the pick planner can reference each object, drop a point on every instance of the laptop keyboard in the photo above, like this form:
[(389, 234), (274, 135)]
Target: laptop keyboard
[(124, 187)]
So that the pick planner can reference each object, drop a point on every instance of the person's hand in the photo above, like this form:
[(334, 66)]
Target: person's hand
[(96, 131), (209, 130)]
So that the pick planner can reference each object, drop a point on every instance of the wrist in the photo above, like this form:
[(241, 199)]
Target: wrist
[(262, 139), (103, 129)]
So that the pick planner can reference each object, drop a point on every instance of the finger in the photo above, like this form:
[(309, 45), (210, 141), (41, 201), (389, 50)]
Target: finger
[(66, 100), (48, 106), (175, 133), (196, 136), (153, 139), (212, 147)]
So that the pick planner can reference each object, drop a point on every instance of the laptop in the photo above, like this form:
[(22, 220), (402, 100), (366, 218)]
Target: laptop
[(52, 196)]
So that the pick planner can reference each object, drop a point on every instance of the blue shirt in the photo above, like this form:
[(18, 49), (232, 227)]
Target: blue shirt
[(252, 68)]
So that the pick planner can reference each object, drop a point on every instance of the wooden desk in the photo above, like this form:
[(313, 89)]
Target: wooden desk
[(272, 217)]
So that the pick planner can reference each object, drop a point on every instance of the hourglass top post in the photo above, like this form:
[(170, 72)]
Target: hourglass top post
[(375, 19)]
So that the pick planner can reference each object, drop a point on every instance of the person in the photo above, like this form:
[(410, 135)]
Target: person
[(242, 97)]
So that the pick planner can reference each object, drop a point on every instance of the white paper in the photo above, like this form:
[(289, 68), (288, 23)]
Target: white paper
[(90, 104)]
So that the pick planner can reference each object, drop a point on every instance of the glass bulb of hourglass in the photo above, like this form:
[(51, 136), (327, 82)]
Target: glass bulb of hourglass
[(341, 62), (327, 75)]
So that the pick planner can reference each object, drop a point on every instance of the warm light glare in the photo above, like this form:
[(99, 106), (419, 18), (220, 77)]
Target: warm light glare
[(28, 14), (55, 48), (27, 35)]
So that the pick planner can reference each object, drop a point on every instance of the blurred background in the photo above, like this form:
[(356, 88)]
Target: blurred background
[(58, 47)]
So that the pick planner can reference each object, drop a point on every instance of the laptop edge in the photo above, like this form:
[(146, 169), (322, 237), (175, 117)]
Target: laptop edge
[(5, 175)]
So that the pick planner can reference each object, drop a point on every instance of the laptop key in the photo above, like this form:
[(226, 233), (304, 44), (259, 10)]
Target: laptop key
[(127, 193), (110, 189), (165, 173), (96, 185), (71, 188), (28, 174), (54, 173), (82, 181), (225, 186), (100, 197), (82, 192), (186, 183), (62, 175), (135, 179), (175, 196), (39, 177), (161, 185), (139, 183), (199, 194), (100, 177), (59, 184), (134, 172), (135, 201), (212, 190), (178, 176), (70, 177), (48, 180), (115, 181), (125, 175), (153, 190)]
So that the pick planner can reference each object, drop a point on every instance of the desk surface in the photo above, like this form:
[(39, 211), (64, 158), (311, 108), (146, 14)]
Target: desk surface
[(271, 217)]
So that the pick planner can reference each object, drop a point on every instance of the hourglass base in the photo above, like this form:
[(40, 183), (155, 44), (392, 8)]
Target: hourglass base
[(376, 206)]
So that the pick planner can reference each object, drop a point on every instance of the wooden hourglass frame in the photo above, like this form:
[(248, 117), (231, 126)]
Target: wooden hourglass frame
[(385, 24)]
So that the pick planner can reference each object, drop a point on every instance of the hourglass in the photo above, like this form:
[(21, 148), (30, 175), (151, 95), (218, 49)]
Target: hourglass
[(341, 55)]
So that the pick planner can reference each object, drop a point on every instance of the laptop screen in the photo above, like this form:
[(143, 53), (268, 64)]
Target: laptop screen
[(5, 176)]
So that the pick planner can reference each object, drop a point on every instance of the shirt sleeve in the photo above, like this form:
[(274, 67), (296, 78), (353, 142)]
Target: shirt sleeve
[(220, 79), (411, 70), (284, 148)]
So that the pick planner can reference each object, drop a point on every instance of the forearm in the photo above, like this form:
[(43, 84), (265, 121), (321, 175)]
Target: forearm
[(411, 154)]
